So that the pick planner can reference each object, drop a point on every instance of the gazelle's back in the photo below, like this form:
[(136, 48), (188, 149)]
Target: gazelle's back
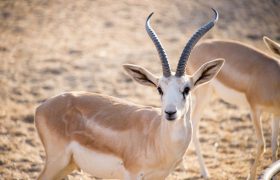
[(63, 112)]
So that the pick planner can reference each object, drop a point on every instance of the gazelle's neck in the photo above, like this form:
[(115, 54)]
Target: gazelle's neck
[(174, 137), (176, 132)]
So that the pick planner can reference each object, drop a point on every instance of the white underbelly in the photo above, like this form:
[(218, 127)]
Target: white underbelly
[(230, 95), (97, 164)]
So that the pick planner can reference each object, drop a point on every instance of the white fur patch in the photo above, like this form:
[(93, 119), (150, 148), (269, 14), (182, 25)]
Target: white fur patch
[(97, 164), (230, 95)]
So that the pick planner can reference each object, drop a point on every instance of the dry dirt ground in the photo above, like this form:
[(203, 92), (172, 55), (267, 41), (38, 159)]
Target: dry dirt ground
[(47, 47)]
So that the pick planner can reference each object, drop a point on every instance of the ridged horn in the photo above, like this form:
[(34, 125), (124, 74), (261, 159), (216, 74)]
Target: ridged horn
[(163, 57), (191, 43)]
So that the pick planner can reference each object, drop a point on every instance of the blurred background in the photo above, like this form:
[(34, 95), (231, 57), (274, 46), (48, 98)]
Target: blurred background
[(47, 47)]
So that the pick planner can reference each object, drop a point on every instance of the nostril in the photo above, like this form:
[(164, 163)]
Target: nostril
[(170, 113)]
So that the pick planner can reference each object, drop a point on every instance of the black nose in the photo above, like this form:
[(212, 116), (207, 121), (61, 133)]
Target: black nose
[(170, 113)]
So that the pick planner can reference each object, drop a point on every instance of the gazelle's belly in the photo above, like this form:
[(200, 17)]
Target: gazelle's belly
[(97, 164), (230, 95)]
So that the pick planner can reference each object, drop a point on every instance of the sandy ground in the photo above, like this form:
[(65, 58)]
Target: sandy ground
[(48, 47)]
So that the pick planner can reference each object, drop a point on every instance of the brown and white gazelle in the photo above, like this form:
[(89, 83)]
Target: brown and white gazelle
[(111, 138), (249, 78)]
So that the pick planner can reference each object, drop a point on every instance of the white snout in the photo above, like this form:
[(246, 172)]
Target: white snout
[(170, 112)]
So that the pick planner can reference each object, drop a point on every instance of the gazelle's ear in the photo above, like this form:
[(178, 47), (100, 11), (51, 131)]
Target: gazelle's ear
[(141, 75), (207, 72), (272, 45)]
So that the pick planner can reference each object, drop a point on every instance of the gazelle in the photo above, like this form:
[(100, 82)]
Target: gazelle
[(111, 138), (249, 78)]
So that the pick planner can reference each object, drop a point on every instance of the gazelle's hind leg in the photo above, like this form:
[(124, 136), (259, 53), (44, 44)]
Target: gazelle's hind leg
[(256, 119), (59, 160), (58, 165), (202, 96), (274, 137), (67, 170)]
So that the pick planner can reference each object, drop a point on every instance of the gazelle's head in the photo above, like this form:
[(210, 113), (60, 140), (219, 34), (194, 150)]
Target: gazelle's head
[(174, 88)]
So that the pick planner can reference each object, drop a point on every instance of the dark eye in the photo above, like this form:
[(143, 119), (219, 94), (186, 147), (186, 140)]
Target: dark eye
[(160, 91), (186, 90)]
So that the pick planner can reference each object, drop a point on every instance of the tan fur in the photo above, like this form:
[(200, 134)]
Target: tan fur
[(247, 71)]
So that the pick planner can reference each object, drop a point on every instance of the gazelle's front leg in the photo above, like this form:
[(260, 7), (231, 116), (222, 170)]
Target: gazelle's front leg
[(256, 119), (202, 97), (274, 137)]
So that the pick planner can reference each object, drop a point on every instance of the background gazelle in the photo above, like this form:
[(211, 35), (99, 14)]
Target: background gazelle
[(112, 138), (249, 78)]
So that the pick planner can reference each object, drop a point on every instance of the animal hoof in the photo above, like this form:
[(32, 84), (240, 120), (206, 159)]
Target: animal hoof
[(205, 175)]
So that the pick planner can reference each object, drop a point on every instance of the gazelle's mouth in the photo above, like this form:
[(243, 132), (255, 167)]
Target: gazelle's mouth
[(170, 118)]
